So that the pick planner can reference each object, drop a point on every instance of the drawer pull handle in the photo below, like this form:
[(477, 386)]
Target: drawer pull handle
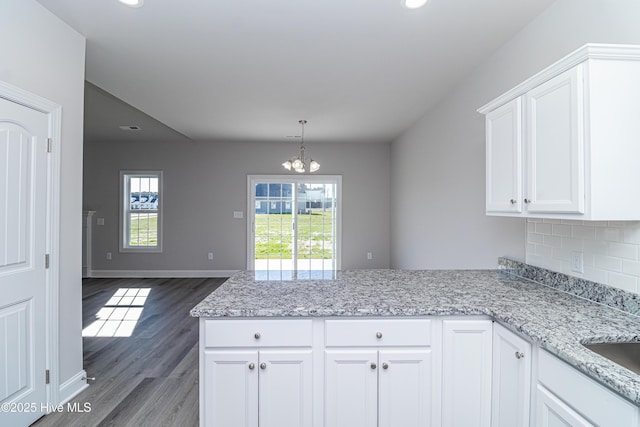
[(252, 366), (513, 201), (263, 365), (373, 365), (527, 201), (378, 335), (519, 355), (257, 335), (385, 366)]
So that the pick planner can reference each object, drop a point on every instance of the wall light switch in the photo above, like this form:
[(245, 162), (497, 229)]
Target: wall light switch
[(238, 214), (100, 221), (210, 256)]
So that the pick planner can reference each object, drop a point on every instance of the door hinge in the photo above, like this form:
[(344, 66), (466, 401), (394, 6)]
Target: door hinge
[(47, 377), (46, 260), (49, 145)]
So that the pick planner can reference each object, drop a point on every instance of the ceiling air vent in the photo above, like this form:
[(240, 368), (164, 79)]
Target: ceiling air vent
[(131, 127)]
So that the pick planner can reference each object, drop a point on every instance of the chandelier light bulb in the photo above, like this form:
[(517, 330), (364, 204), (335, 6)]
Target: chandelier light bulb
[(297, 164), (287, 165)]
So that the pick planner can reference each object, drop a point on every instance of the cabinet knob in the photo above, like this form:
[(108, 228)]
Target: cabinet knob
[(252, 366), (263, 365), (527, 201), (257, 335), (385, 365), (513, 201), (378, 335), (373, 365), (519, 355)]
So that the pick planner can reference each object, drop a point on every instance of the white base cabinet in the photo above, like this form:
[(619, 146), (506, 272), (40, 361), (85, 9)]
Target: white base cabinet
[(564, 393), (378, 372), (383, 388), (256, 373), (511, 383), (391, 372), (270, 388), (466, 372)]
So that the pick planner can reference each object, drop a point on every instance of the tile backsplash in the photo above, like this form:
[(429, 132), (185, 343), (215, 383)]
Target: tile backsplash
[(611, 249)]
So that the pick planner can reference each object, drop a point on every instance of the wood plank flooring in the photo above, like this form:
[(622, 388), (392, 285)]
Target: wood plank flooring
[(150, 378)]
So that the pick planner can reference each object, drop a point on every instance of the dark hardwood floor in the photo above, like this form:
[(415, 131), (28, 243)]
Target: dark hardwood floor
[(151, 377)]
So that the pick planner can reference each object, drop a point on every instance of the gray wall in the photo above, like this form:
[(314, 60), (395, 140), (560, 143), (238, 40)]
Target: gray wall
[(441, 158), (43, 55), (205, 182)]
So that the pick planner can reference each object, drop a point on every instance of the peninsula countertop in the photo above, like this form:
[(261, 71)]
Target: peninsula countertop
[(556, 321)]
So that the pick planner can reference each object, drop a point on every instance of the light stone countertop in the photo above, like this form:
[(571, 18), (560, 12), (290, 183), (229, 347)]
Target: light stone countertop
[(557, 321)]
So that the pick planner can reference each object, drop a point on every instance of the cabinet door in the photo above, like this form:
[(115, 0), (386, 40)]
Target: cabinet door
[(351, 388), (511, 385), (504, 158), (555, 145), (285, 388), (466, 373), (553, 412), (405, 388), (230, 389)]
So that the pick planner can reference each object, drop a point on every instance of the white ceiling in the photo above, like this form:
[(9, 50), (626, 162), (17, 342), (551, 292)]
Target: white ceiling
[(357, 70)]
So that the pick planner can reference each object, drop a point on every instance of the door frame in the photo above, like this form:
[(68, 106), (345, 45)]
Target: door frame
[(251, 208), (52, 234)]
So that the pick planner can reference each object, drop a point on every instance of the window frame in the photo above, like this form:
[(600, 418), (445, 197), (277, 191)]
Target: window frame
[(125, 200)]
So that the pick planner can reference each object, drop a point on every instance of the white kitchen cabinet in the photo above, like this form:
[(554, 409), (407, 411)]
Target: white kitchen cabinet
[(378, 372), (466, 372), (574, 126), (504, 158), (351, 388), (230, 389), (511, 383), (555, 145), (553, 412), (564, 393), (256, 372), (271, 388), (405, 380)]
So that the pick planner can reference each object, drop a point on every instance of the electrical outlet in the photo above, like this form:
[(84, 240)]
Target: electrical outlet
[(369, 255), (577, 262), (108, 255), (100, 221), (238, 214), (210, 256)]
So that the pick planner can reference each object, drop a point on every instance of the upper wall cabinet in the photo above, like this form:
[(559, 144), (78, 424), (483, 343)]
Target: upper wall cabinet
[(566, 142)]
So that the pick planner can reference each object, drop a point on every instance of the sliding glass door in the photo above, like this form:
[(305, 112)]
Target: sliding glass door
[(294, 225)]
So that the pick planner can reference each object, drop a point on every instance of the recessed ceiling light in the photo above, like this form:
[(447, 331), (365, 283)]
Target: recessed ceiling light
[(132, 3), (410, 4)]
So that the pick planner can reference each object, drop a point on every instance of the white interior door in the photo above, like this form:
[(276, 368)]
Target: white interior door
[(23, 215)]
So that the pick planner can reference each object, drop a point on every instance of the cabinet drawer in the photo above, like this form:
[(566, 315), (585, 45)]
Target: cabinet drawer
[(258, 333), (378, 332)]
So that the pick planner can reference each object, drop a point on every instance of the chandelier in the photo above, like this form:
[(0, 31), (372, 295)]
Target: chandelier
[(300, 163)]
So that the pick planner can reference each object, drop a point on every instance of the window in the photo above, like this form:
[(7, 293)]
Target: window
[(141, 213)]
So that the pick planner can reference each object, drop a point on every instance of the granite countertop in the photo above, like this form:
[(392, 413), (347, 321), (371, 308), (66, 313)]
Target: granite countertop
[(557, 321)]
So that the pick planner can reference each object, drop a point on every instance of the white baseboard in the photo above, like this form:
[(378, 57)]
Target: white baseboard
[(152, 274), (72, 387)]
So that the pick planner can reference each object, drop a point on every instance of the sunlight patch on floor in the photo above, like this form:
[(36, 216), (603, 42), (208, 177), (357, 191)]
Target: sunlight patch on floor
[(120, 315)]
